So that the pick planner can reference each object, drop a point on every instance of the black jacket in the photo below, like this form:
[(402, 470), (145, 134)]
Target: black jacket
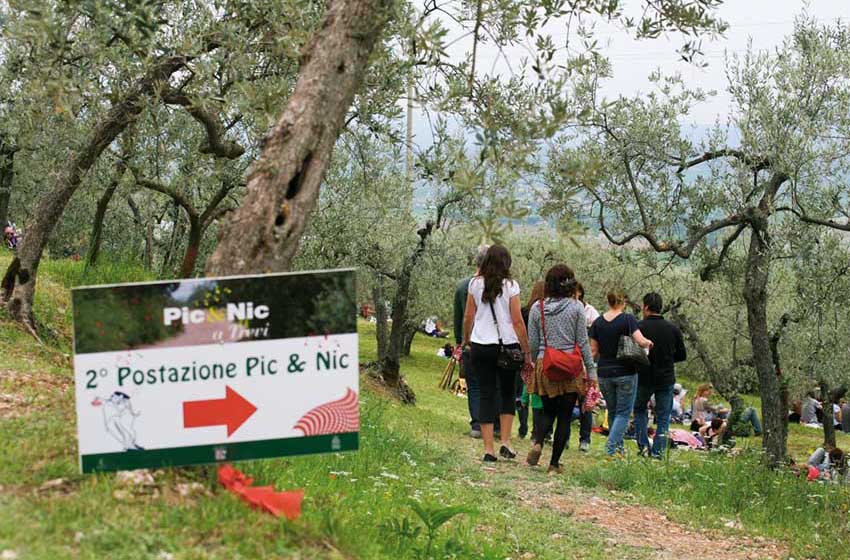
[(668, 348)]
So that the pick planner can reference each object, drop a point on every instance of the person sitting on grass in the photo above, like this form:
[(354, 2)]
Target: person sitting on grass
[(828, 464), (700, 409), (811, 410), (713, 433), (743, 420)]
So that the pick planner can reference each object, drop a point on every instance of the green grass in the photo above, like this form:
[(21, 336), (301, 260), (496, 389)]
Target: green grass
[(713, 490), (361, 505), (357, 505)]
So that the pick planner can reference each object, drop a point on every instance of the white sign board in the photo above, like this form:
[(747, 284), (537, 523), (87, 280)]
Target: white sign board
[(215, 369)]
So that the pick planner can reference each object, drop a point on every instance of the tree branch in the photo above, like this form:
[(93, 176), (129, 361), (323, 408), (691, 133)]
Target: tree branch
[(708, 270), (221, 194), (175, 195), (805, 218), (216, 144), (756, 163)]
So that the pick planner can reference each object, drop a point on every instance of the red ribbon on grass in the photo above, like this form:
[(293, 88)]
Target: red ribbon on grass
[(261, 497)]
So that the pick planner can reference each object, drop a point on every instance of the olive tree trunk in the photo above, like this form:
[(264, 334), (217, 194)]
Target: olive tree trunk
[(829, 440), (146, 230), (381, 331), (409, 334), (283, 185), (7, 175), (100, 215), (52, 204), (774, 418)]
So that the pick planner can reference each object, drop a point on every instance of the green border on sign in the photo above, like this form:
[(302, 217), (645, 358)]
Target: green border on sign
[(220, 453)]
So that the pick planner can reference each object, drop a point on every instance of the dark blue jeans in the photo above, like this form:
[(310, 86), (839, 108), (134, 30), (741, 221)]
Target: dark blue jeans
[(619, 393), (663, 410)]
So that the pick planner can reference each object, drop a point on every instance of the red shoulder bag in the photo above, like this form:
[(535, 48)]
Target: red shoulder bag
[(559, 365)]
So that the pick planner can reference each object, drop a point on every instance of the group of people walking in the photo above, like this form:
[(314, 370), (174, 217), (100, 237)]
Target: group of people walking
[(563, 351)]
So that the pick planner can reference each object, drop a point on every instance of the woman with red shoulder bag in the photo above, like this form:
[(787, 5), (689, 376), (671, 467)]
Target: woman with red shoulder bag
[(557, 337)]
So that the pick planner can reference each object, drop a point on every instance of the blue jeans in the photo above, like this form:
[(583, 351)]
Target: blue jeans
[(619, 395), (663, 410), (750, 415)]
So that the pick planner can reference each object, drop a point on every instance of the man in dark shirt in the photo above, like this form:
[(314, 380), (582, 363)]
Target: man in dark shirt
[(473, 389), (659, 377)]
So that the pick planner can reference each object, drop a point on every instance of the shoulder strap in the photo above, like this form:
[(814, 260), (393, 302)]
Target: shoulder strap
[(498, 332), (543, 323)]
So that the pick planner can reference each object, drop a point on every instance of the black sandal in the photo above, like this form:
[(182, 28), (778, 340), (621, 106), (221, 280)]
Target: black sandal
[(489, 458)]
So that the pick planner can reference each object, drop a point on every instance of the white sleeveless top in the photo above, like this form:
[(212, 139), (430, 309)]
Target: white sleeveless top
[(484, 329)]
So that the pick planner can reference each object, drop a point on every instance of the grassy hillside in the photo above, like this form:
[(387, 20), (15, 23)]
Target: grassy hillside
[(362, 505)]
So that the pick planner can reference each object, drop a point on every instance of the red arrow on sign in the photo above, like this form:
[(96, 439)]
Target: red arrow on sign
[(231, 411)]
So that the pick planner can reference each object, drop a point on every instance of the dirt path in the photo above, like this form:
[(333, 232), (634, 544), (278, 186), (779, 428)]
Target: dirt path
[(25, 393), (645, 527), (628, 530)]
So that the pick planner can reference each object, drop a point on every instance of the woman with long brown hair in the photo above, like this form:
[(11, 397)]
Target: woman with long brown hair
[(557, 322), (494, 329)]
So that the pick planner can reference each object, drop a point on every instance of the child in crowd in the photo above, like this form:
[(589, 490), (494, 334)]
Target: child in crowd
[(679, 393), (828, 464), (713, 433)]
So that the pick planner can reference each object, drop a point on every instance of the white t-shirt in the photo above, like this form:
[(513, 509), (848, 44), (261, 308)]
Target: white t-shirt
[(590, 314), (484, 329)]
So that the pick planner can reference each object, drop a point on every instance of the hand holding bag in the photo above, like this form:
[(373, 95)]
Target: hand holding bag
[(559, 365), (508, 357), (630, 351)]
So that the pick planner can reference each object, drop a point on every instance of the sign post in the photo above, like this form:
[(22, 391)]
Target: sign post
[(215, 369)]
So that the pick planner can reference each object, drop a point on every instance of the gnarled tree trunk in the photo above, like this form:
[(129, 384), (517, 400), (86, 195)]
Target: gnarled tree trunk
[(283, 185), (390, 365), (774, 418), (51, 206), (176, 234)]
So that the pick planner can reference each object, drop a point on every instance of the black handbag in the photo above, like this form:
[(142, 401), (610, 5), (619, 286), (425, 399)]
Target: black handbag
[(508, 357), (630, 351)]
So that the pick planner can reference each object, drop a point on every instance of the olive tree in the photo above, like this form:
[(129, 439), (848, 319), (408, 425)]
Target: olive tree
[(647, 182)]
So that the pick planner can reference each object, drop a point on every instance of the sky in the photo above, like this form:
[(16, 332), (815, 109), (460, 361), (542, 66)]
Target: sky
[(765, 22)]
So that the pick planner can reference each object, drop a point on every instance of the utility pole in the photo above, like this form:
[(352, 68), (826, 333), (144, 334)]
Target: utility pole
[(409, 141)]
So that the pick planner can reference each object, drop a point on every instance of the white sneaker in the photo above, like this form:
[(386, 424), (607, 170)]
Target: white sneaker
[(584, 447)]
